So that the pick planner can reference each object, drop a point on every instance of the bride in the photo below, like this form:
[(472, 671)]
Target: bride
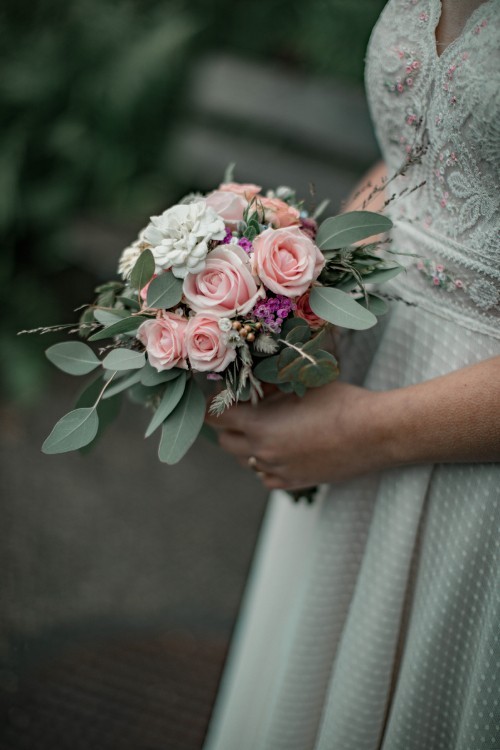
[(372, 618)]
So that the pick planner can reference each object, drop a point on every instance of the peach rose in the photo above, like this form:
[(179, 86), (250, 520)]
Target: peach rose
[(228, 205), (247, 190), (278, 213), (164, 339), (226, 286), (286, 260), (303, 310), (206, 344)]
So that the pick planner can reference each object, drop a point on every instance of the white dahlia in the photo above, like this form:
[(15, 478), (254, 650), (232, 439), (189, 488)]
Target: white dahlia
[(179, 237)]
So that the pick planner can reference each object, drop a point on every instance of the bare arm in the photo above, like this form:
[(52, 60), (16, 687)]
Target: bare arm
[(374, 177), (341, 431)]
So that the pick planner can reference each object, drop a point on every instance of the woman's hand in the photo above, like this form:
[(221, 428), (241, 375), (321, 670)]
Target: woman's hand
[(341, 431), (299, 442)]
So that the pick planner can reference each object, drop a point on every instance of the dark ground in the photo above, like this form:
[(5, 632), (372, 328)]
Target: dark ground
[(121, 579)]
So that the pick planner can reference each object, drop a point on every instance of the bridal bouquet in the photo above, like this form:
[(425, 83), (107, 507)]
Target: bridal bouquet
[(233, 286)]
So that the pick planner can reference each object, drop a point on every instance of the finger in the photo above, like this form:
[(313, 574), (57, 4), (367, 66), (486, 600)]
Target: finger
[(235, 442), (233, 418), (271, 481)]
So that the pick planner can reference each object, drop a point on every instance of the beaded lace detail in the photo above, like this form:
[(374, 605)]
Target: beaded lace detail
[(452, 103)]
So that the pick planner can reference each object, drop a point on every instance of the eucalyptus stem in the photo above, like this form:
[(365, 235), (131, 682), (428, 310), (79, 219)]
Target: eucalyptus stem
[(108, 381)]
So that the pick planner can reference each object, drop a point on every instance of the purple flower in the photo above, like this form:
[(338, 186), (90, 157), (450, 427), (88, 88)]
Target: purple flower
[(245, 244), (273, 311)]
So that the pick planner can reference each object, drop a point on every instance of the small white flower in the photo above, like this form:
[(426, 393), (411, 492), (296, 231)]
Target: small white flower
[(284, 192), (225, 324), (130, 255), (179, 237), (234, 338), (128, 259)]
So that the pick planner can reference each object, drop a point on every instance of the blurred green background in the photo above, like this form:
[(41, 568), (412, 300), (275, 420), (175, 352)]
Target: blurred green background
[(93, 94), (121, 578)]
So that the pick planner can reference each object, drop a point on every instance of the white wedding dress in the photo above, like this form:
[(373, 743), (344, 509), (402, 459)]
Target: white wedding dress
[(372, 618)]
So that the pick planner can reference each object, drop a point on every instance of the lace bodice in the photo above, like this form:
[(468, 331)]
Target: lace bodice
[(451, 103)]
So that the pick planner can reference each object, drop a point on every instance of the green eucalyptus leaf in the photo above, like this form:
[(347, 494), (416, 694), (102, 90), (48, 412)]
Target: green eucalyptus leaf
[(165, 291), (143, 270), (109, 286), (106, 299), (73, 357), (106, 317), (124, 359), (127, 325), (362, 264), (86, 322), (353, 226), (299, 334), (340, 309), (317, 341), (122, 384), (299, 389), (289, 363), (382, 275), (182, 427), (171, 397), (73, 431), (267, 370), (144, 395), (285, 387), (132, 304), (376, 305), (151, 376), (246, 392), (348, 285), (324, 371), (290, 324)]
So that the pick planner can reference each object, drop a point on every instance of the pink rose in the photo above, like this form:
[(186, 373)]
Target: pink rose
[(286, 260), (278, 213), (226, 286), (303, 310), (164, 339), (228, 205), (206, 345), (247, 190)]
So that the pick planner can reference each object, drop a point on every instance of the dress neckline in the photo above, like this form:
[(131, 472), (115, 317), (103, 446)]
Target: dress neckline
[(438, 9)]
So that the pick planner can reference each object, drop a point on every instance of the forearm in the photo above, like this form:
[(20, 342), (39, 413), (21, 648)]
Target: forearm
[(375, 177), (453, 418)]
